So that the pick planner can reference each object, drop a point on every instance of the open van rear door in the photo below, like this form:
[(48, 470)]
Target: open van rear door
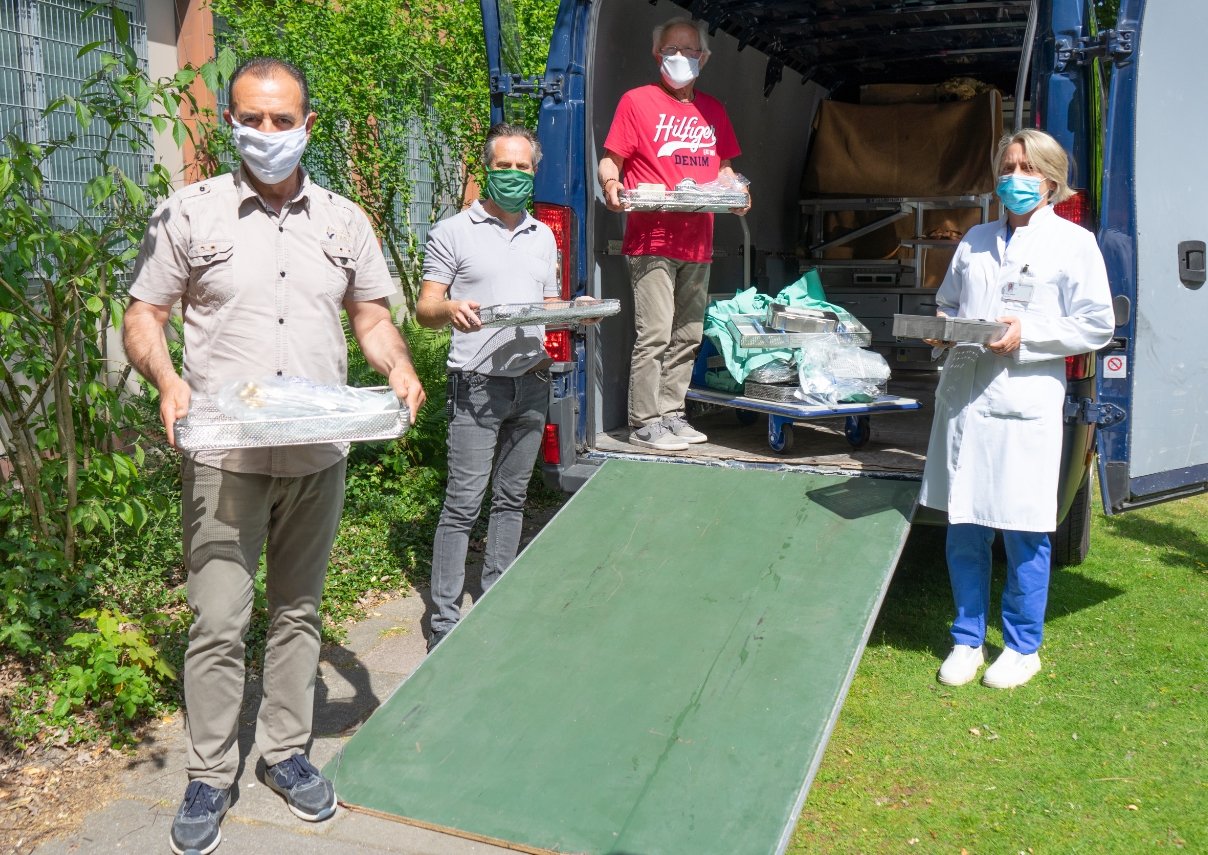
[(504, 64), (1153, 235)]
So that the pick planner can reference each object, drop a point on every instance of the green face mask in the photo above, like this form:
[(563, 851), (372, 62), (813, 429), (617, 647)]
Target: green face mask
[(510, 189)]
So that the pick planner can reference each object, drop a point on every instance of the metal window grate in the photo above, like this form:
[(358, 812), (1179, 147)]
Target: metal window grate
[(426, 196), (39, 43)]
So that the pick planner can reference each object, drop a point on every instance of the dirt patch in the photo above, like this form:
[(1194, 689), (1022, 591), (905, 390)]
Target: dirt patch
[(48, 788), (47, 791)]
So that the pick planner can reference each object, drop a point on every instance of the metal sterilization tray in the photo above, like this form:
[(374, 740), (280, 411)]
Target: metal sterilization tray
[(772, 391), (752, 331), (206, 428), (970, 330), (685, 201), (796, 319), (548, 312)]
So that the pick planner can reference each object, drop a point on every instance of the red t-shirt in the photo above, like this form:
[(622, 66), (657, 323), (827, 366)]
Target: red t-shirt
[(662, 141)]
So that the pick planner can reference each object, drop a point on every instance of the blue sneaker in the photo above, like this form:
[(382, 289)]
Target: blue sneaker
[(196, 826), (309, 795)]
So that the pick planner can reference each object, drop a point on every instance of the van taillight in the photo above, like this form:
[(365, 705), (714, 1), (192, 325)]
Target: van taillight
[(557, 345), (550, 452), (1079, 367), (561, 221), (1076, 209)]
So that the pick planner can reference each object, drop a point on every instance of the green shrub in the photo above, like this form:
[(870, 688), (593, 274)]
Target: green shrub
[(115, 668), (75, 440), (424, 442), (106, 679)]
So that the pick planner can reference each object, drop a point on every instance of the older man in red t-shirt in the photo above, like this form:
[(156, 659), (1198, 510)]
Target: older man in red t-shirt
[(662, 133)]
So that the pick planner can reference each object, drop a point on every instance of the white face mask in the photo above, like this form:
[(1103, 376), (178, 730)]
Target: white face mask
[(679, 70), (270, 157)]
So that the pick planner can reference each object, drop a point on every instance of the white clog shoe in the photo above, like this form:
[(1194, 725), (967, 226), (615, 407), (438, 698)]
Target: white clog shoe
[(1011, 669), (962, 665)]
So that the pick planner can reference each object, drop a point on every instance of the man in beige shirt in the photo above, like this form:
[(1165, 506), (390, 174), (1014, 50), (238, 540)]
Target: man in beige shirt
[(262, 261)]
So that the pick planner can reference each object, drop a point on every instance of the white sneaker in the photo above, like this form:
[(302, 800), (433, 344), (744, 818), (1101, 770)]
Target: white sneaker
[(679, 426), (657, 435), (961, 665), (1011, 669)]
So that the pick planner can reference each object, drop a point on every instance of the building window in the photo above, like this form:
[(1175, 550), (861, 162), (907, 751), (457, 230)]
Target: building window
[(39, 45)]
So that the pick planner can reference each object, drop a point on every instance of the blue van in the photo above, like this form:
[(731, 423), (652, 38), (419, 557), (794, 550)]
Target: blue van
[(1133, 134), (664, 664)]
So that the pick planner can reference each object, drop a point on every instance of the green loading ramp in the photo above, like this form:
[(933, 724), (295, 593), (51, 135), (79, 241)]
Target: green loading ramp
[(658, 672)]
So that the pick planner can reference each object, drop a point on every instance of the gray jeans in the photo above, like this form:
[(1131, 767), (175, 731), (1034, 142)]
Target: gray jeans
[(227, 517), (669, 299), (494, 435)]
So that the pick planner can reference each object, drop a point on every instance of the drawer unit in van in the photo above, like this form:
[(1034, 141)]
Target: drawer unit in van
[(880, 328), (876, 308), (863, 304), (919, 304), (849, 273)]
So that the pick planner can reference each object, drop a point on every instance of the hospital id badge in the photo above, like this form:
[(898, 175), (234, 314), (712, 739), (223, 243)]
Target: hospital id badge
[(1019, 293)]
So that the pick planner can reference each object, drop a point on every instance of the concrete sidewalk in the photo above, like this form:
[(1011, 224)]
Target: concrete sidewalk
[(353, 681)]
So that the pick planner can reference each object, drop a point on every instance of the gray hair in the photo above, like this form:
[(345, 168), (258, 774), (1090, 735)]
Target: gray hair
[(503, 129), (702, 30)]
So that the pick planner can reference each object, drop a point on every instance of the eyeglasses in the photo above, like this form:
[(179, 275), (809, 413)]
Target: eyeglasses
[(672, 50)]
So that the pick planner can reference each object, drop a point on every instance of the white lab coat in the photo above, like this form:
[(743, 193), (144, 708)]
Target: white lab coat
[(995, 447)]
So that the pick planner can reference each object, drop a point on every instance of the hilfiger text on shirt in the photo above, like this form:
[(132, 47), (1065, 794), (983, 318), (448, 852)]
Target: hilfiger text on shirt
[(680, 133)]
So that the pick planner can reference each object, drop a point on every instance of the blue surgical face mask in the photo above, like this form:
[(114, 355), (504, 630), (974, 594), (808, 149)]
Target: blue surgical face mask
[(1020, 193)]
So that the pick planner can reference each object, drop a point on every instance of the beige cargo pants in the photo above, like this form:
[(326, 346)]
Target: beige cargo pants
[(669, 298), (227, 518)]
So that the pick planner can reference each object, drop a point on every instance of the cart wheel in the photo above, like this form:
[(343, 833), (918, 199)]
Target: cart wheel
[(780, 437), (858, 430), (746, 417)]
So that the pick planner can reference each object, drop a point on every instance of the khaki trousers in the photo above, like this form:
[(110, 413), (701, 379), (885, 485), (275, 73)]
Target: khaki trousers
[(669, 298), (227, 517)]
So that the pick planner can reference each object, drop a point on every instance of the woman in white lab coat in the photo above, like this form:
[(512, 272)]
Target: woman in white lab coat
[(995, 448)]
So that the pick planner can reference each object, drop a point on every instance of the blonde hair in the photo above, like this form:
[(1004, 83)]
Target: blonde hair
[(682, 21), (1046, 156)]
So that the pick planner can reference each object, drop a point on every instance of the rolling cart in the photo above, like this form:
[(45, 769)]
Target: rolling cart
[(781, 414)]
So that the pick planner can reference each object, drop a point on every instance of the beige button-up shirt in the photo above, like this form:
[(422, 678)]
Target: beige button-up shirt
[(261, 294)]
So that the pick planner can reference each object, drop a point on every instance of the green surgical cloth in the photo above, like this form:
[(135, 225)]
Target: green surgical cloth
[(805, 293)]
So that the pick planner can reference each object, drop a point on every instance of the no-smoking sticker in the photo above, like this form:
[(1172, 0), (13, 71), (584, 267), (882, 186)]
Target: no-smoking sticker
[(1115, 366)]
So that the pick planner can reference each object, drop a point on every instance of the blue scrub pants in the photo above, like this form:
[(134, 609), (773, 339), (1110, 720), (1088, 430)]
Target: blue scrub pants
[(1023, 599)]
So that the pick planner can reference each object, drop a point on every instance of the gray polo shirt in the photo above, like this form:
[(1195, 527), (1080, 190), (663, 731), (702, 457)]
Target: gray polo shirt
[(481, 259), (261, 294)]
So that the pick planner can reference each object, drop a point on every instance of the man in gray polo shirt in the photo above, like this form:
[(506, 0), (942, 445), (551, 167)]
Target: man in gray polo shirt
[(493, 252), (261, 261)]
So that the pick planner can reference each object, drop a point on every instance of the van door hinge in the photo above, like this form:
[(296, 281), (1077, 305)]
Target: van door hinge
[(1090, 412), (1116, 45), (516, 85)]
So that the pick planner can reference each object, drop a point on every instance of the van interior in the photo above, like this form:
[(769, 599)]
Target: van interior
[(866, 161)]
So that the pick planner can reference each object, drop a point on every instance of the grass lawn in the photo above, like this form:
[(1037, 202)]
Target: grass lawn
[(1106, 750)]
